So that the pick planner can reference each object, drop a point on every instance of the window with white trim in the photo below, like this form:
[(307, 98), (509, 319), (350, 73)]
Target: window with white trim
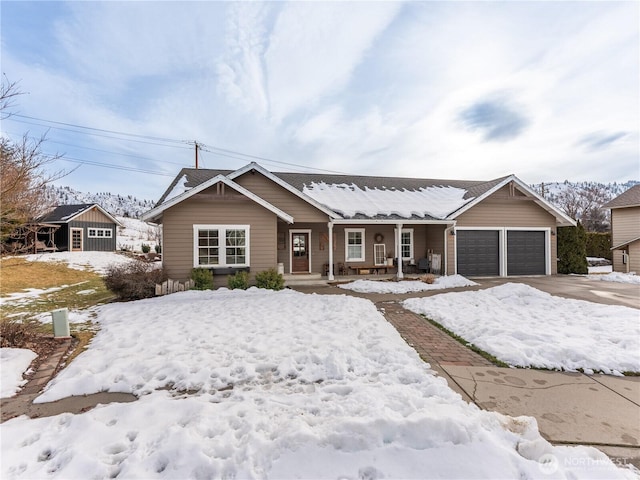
[(99, 233), (354, 244), (406, 243), (221, 245)]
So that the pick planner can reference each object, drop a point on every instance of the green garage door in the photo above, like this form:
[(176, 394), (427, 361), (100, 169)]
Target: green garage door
[(478, 252), (526, 253)]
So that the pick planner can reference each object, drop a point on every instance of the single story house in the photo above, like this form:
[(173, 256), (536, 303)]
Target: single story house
[(625, 230), (255, 219), (84, 227)]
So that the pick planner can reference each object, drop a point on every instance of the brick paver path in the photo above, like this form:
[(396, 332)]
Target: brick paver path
[(18, 404), (431, 343)]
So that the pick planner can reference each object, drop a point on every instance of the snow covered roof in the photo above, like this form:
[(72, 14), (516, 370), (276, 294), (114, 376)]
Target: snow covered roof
[(630, 198), (66, 213), (360, 197), (353, 201)]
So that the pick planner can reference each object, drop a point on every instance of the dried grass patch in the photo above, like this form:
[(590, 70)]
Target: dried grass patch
[(18, 274)]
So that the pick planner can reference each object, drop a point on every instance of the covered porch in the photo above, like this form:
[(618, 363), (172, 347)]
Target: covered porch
[(363, 248)]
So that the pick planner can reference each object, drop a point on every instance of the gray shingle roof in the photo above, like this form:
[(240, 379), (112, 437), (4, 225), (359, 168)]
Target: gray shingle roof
[(630, 198), (474, 188), (63, 212)]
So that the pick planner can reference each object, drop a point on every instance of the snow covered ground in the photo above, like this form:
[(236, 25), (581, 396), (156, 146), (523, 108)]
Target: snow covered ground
[(601, 269), (134, 233), (262, 384), (618, 277), (407, 286), (599, 265), (15, 361), (95, 261), (525, 327)]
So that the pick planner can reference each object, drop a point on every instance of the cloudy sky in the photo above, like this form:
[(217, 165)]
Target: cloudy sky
[(466, 90)]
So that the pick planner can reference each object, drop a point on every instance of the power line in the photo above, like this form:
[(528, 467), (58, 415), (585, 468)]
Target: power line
[(147, 137), (208, 148), (115, 167), (182, 147), (115, 153)]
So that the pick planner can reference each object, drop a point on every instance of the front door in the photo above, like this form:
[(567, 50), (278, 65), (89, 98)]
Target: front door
[(300, 253), (76, 239)]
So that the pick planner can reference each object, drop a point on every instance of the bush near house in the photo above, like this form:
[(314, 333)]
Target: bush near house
[(599, 245), (270, 279), (572, 251), (145, 248), (239, 280), (134, 281), (203, 279)]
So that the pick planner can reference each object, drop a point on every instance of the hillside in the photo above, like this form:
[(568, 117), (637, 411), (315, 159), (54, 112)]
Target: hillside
[(553, 190), (592, 193), (124, 206)]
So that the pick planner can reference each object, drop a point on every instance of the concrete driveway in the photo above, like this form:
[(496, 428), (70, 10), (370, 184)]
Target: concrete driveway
[(576, 286)]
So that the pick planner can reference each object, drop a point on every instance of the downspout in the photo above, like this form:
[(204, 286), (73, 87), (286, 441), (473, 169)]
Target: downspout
[(331, 277)]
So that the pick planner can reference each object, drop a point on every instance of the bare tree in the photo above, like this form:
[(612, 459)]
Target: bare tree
[(584, 202), (24, 176)]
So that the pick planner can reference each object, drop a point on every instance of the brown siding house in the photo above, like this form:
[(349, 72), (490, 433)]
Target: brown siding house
[(625, 230), (254, 219)]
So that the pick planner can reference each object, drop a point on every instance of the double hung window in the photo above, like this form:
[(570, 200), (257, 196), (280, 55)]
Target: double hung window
[(354, 244), (221, 245)]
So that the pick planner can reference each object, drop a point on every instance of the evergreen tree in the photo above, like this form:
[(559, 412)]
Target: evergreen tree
[(572, 250)]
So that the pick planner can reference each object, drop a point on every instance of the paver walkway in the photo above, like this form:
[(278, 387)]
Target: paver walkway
[(430, 342), (19, 404)]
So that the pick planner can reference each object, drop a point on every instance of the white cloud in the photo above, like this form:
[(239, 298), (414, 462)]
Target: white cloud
[(372, 88), (315, 47)]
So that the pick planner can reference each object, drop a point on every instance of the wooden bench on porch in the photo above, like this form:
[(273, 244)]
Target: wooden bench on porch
[(372, 269)]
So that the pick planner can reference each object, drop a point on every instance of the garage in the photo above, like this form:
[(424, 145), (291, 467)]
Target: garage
[(478, 252), (526, 252)]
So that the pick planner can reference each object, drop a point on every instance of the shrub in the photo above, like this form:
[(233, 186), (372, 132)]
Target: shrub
[(134, 280), (202, 278), (17, 334), (158, 248), (599, 245), (145, 248), (428, 278), (572, 252), (270, 279), (239, 280)]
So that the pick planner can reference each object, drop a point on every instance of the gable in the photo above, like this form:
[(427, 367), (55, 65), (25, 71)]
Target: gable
[(219, 189), (277, 195), (93, 214), (507, 207)]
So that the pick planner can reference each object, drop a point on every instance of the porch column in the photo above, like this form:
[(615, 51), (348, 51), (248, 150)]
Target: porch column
[(399, 275), (331, 277)]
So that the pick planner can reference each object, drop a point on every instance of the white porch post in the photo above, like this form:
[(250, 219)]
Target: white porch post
[(331, 277), (399, 275)]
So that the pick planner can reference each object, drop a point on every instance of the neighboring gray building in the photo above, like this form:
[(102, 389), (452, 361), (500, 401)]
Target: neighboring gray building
[(84, 227)]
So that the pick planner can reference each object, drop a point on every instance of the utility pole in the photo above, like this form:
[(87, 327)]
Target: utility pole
[(195, 143)]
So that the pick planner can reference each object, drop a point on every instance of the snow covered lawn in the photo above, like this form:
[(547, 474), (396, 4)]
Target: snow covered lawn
[(96, 261), (262, 384), (618, 277), (15, 361), (406, 286), (525, 327)]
